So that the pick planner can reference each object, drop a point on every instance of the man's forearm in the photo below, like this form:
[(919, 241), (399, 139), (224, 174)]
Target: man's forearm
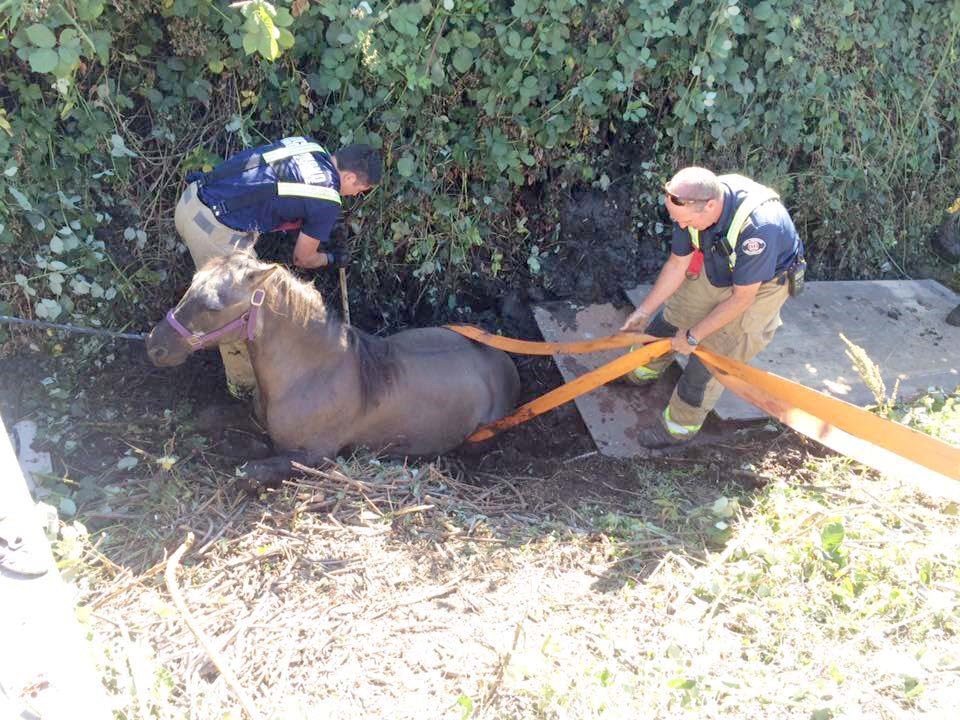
[(316, 259), (307, 253), (670, 278)]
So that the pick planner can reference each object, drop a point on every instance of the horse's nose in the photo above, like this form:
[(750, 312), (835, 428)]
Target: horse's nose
[(156, 353)]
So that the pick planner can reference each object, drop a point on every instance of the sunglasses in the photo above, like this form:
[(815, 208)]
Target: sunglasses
[(680, 202)]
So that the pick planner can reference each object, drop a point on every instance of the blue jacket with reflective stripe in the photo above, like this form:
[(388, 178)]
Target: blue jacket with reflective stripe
[(274, 212), (767, 246)]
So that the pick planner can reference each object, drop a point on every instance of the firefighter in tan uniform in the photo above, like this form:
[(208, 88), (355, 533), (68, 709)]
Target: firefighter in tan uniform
[(735, 257), (292, 184)]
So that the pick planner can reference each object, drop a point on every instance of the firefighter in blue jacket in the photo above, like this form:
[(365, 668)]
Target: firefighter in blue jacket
[(752, 260), (293, 184)]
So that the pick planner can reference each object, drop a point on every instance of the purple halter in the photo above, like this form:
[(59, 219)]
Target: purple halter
[(197, 341)]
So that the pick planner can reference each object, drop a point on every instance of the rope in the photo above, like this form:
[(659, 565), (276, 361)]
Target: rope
[(71, 328)]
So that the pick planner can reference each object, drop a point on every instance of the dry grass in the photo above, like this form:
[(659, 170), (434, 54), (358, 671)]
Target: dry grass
[(392, 591)]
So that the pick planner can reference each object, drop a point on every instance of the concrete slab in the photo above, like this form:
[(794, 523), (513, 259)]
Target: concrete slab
[(47, 668), (614, 414), (899, 323)]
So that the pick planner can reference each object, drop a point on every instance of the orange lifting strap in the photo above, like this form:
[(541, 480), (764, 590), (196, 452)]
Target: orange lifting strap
[(852, 431), (527, 347)]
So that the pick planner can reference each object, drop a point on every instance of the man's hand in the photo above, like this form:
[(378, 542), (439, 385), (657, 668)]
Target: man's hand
[(338, 258), (679, 343), (636, 322)]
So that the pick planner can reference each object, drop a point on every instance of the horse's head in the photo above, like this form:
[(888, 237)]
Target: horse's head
[(219, 306)]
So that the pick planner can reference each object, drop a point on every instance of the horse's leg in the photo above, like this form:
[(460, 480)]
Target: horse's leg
[(220, 417), (234, 431), (270, 472)]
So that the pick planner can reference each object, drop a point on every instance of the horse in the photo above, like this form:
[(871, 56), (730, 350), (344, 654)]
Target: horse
[(325, 386)]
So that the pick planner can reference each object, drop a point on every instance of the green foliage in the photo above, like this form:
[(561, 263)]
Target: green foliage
[(849, 108), (265, 30)]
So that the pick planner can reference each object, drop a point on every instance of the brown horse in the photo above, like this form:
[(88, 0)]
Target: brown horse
[(325, 386)]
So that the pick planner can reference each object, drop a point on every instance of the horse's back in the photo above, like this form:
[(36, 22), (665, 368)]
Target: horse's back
[(455, 354), (430, 339)]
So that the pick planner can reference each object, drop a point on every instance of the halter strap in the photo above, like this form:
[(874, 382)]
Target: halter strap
[(248, 319)]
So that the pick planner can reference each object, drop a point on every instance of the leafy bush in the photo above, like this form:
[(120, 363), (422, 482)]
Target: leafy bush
[(849, 108)]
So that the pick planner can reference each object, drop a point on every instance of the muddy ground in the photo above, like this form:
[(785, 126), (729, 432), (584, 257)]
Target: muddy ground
[(100, 398), (378, 590)]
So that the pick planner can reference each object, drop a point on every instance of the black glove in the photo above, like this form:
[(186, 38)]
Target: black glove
[(338, 258)]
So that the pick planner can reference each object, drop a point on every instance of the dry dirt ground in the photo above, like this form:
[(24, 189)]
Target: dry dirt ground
[(531, 578), (366, 588)]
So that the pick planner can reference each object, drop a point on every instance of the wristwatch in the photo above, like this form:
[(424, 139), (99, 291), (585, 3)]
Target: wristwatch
[(691, 340)]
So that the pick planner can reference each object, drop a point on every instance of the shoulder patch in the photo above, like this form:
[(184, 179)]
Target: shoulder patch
[(753, 246)]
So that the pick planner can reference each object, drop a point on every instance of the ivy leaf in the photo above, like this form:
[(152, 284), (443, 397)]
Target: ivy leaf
[(44, 60), (88, 10), (127, 463), (41, 36), (260, 30), (405, 165), (406, 18), (462, 59), (118, 148), (70, 38), (831, 537), (69, 56), (49, 309), (21, 199), (101, 40), (763, 11), (80, 286), (283, 18), (67, 507)]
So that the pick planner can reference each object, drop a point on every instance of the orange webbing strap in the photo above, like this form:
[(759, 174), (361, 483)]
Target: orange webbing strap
[(576, 387), (848, 429), (882, 444), (527, 347)]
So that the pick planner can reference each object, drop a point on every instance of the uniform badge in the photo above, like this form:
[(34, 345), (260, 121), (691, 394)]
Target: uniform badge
[(753, 246)]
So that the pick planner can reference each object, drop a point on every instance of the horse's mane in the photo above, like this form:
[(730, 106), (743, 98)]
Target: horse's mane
[(377, 364)]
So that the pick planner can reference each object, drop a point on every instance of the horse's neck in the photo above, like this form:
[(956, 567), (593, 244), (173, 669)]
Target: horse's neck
[(285, 349)]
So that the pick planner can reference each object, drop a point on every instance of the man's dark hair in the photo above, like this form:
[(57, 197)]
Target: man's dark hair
[(362, 160)]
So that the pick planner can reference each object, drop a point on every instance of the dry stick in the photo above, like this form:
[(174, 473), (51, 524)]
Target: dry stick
[(170, 575), (344, 300), (127, 639), (126, 586), (502, 666), (424, 595)]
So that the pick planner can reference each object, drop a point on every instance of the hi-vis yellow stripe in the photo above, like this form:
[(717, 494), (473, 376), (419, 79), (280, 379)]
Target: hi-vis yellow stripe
[(282, 153), (310, 191)]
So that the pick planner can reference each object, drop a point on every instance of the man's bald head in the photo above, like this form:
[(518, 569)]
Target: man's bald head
[(694, 183)]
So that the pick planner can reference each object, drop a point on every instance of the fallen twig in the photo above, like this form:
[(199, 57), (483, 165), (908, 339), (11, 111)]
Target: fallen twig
[(170, 575)]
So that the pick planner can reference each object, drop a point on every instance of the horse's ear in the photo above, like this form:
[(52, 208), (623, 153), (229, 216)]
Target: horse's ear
[(258, 272), (266, 271)]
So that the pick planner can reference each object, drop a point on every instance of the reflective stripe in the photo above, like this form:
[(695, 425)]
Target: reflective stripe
[(310, 191), (645, 373), (282, 153), (675, 428), (740, 217)]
